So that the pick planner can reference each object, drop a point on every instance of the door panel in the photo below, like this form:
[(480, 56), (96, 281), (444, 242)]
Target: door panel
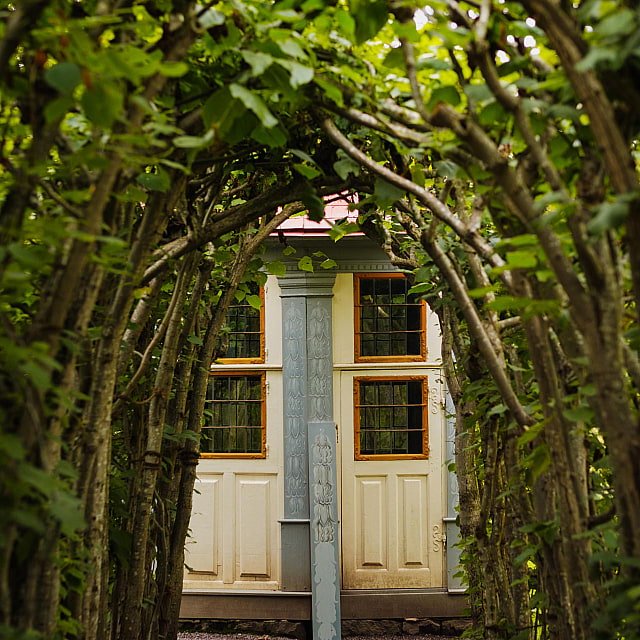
[(204, 553), (253, 557), (412, 494), (370, 509), (233, 530), (390, 506)]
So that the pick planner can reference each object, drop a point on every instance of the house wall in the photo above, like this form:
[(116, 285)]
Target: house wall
[(248, 538)]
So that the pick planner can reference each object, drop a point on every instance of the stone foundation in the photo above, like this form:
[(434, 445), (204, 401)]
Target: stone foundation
[(301, 630)]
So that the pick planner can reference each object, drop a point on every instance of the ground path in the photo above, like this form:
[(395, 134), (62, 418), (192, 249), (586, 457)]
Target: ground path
[(201, 635)]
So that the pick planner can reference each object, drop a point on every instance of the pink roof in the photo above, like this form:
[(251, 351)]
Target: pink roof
[(334, 211)]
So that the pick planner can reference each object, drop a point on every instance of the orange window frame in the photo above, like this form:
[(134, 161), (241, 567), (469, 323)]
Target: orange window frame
[(259, 359), (421, 357), (263, 418), (424, 413)]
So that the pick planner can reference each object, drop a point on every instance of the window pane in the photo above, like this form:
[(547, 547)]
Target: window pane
[(234, 415), (244, 325), (390, 320), (390, 417)]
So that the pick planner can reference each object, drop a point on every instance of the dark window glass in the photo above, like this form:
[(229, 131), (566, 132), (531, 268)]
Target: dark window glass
[(390, 416), (234, 415), (390, 321), (244, 323)]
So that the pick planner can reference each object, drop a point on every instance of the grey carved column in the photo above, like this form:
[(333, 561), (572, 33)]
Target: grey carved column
[(295, 524), (308, 400)]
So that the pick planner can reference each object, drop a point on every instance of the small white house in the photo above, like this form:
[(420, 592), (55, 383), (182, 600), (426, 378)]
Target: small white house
[(323, 491)]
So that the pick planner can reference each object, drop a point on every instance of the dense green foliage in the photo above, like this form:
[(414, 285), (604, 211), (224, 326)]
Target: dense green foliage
[(145, 149), (500, 139), (132, 212)]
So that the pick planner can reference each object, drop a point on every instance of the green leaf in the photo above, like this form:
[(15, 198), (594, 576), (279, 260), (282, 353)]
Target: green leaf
[(65, 77), (254, 103), (306, 171), (276, 268), (578, 414), (610, 215), (173, 69), (448, 169), (493, 113), (387, 193), (448, 95), (422, 287), (394, 59), (305, 263), (521, 259), (31, 256), (220, 110), (211, 18), (341, 229), (314, 204), (481, 292), (299, 73), (273, 137), (497, 409), (258, 61), (57, 108), (328, 264), (370, 16), (141, 292), (193, 142), (528, 552), (345, 167), (32, 521), (67, 509), (595, 56), (37, 479), (11, 445), (291, 48), (564, 111), (303, 155), (531, 433), (102, 104), (332, 91), (254, 301), (132, 194), (619, 22), (479, 92), (154, 181), (537, 462), (195, 340), (505, 303)]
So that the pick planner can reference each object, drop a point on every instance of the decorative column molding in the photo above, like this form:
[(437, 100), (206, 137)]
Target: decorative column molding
[(325, 567), (319, 360), (296, 491)]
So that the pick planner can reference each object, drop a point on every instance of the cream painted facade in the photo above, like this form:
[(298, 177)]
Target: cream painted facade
[(393, 513), (234, 542)]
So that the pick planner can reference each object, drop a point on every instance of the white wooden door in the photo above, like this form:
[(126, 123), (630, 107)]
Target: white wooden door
[(391, 508)]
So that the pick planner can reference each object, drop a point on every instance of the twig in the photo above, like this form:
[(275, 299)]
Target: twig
[(54, 195)]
